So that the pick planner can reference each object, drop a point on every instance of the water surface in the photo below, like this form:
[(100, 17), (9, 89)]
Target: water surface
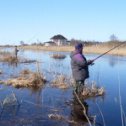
[(36, 105)]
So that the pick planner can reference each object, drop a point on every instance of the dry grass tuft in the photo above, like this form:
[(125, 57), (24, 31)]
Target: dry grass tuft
[(24, 72), (26, 79), (26, 61), (9, 59), (93, 91), (60, 82), (4, 53), (58, 56), (55, 116)]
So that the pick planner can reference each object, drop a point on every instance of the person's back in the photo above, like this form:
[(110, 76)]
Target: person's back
[(79, 66)]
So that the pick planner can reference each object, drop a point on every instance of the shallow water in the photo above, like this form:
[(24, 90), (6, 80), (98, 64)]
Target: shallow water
[(36, 105)]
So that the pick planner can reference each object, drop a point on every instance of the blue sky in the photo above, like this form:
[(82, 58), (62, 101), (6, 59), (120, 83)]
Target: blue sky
[(32, 20)]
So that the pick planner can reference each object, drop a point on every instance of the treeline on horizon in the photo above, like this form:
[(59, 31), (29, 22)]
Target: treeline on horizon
[(72, 42), (113, 41)]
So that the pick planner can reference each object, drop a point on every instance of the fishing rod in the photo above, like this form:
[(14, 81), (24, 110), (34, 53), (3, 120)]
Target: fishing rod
[(107, 51)]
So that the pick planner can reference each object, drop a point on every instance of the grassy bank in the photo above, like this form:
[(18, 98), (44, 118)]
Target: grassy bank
[(93, 49)]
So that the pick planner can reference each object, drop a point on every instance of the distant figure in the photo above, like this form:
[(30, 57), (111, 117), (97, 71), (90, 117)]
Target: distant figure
[(16, 52), (79, 66)]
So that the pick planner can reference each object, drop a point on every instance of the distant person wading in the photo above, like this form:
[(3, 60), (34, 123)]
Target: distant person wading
[(16, 52), (79, 66)]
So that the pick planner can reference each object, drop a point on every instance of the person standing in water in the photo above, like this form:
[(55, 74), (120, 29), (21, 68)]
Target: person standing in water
[(79, 66), (16, 52)]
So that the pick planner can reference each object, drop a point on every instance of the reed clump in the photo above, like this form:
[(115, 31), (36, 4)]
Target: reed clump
[(58, 56), (25, 72), (4, 53), (27, 78), (55, 117), (10, 59), (92, 91), (60, 82)]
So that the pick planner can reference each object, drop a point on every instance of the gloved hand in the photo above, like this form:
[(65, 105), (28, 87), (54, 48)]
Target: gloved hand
[(90, 62)]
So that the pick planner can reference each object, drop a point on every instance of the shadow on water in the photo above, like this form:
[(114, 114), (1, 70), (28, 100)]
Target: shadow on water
[(77, 114)]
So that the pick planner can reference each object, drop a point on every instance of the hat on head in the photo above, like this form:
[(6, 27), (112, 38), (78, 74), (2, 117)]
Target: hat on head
[(79, 46)]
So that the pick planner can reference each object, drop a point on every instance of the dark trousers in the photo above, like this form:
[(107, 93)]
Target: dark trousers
[(79, 85)]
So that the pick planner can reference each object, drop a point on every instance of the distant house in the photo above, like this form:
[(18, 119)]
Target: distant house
[(59, 40), (50, 43)]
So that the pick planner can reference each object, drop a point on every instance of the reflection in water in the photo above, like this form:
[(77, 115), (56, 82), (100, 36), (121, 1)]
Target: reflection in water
[(77, 113), (112, 61), (9, 111), (37, 91), (12, 109)]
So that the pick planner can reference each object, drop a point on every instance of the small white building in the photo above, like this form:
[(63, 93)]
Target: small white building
[(50, 43), (59, 40)]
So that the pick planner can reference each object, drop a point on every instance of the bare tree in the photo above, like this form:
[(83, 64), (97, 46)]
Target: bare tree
[(113, 38)]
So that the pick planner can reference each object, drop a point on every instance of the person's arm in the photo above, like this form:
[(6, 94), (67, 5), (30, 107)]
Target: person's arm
[(80, 60)]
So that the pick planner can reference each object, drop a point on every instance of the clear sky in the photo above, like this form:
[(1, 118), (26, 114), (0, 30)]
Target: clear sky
[(39, 20)]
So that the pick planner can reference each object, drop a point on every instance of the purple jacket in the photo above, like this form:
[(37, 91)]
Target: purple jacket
[(79, 66)]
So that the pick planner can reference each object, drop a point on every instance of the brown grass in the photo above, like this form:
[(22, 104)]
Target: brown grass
[(7, 57), (60, 82), (94, 49), (58, 56), (26, 79), (4, 53), (10, 59), (92, 91)]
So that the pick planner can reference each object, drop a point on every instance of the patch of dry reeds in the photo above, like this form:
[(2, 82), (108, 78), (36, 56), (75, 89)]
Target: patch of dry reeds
[(10, 59), (24, 72), (61, 118), (92, 91), (26, 61), (7, 57), (58, 56), (26, 79), (4, 53), (60, 82)]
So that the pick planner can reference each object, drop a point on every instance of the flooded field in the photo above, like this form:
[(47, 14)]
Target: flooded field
[(37, 107)]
